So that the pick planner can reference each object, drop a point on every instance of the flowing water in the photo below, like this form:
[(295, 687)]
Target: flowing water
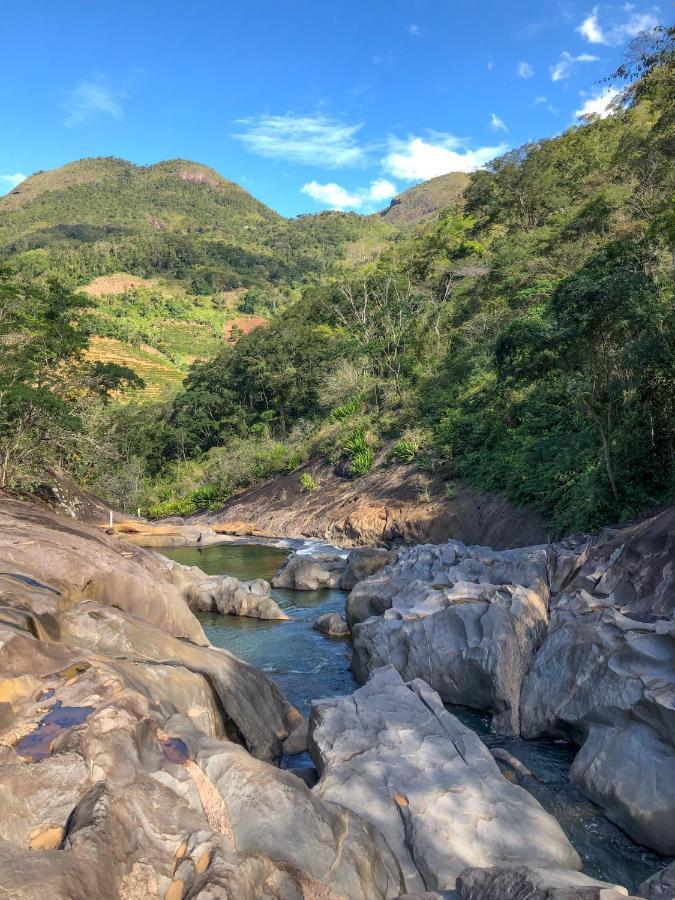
[(307, 666)]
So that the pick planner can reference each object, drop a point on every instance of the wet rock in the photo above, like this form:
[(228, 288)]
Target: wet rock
[(231, 597), (332, 624), (395, 756), (363, 562), (519, 882), (660, 886), (465, 619), (310, 572)]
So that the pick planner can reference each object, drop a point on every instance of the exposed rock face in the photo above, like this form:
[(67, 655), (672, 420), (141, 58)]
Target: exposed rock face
[(332, 624), (605, 678), (229, 596), (125, 769), (465, 619), (520, 882), (395, 756), (310, 571), (380, 508)]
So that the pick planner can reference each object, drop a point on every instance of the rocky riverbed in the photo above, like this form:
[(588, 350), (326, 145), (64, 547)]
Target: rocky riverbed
[(137, 760)]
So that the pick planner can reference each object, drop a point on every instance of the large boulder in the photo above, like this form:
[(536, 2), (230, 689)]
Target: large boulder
[(332, 624), (605, 678), (396, 757), (230, 597), (363, 562), (467, 620), (310, 571)]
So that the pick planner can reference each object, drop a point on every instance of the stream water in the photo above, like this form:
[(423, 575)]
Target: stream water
[(308, 665)]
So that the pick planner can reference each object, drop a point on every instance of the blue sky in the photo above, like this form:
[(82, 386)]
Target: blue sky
[(308, 104)]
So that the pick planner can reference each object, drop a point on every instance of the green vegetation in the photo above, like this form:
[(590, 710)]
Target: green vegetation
[(522, 339), (307, 482)]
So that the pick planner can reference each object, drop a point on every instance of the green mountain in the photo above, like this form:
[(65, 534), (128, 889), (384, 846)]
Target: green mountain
[(173, 252), (175, 218), (425, 200)]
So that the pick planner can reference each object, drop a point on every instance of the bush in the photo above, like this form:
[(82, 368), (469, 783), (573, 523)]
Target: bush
[(403, 451), (362, 462), (176, 507), (308, 483), (208, 496)]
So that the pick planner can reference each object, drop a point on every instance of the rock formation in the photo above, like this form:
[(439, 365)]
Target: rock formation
[(229, 596), (575, 640), (465, 619), (395, 756), (133, 758), (332, 624)]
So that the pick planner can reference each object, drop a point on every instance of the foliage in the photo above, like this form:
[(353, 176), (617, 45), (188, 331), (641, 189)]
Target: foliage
[(307, 482)]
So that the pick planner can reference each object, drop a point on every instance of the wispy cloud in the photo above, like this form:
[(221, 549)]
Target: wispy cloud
[(91, 98), (414, 31), (566, 63), (417, 159), (543, 101), (601, 105), (313, 140), (337, 197), (9, 182), (490, 65), (617, 32), (497, 123), (524, 70)]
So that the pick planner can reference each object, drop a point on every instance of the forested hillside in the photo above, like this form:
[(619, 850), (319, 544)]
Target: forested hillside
[(521, 340)]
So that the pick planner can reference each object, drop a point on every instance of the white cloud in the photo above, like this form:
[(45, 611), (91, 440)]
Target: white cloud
[(382, 189), (590, 28), (336, 197), (618, 32), (490, 65), (600, 105), (540, 101), (496, 123), (525, 70), (414, 31), (331, 195), (9, 182), (89, 98), (563, 67), (314, 140), (417, 159)]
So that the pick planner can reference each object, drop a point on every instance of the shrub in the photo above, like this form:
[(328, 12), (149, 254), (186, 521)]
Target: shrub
[(207, 496), (176, 507), (308, 483), (403, 451), (347, 409), (362, 462)]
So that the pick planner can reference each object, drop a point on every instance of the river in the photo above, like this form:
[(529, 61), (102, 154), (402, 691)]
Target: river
[(308, 665)]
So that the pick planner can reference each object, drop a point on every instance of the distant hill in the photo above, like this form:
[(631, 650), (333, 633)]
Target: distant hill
[(168, 252), (424, 200)]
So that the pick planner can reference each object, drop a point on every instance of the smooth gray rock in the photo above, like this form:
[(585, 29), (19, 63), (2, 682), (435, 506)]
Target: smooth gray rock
[(467, 620), (395, 756), (332, 624), (527, 883), (660, 886), (310, 571), (605, 678), (231, 597), (363, 562)]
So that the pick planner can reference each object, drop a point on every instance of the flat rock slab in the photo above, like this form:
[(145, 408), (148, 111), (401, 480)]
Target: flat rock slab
[(394, 755)]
